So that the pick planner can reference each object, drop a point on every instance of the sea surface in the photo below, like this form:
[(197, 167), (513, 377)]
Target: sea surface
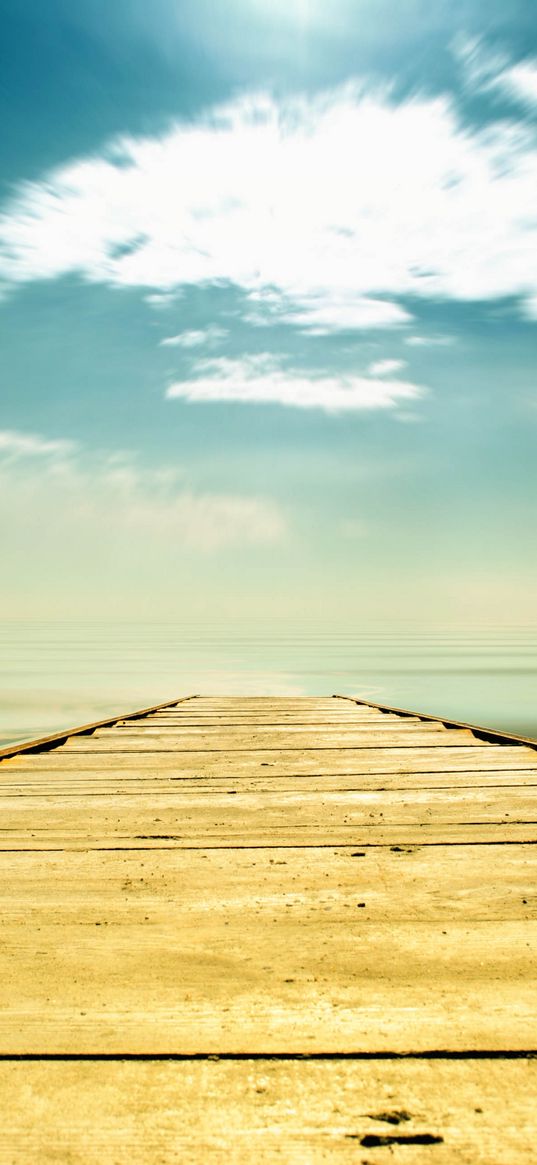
[(55, 675)]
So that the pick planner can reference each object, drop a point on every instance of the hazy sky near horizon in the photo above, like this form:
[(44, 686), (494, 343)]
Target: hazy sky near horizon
[(268, 307)]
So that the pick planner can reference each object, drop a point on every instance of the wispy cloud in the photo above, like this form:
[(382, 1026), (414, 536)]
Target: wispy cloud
[(520, 82), (429, 341), (161, 299), (319, 312), (50, 482), (488, 70), (15, 445), (386, 367), (261, 380), (327, 210), (195, 338)]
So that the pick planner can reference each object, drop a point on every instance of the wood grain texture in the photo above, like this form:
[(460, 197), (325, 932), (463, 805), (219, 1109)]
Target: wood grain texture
[(123, 782), (306, 1113), (242, 951), (365, 760)]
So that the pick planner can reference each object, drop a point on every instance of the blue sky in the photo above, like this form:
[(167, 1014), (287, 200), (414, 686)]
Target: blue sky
[(268, 307)]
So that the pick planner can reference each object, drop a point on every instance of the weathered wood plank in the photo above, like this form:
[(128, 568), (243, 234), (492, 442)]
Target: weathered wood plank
[(232, 720), (239, 740), (466, 883), (337, 710), (304, 816), (276, 807), (314, 727), (95, 784), (294, 1112), (174, 953), (305, 704), (251, 701), (77, 777), (248, 706), (306, 837), (300, 761)]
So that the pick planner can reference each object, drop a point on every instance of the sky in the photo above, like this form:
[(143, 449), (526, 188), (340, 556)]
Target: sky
[(268, 308)]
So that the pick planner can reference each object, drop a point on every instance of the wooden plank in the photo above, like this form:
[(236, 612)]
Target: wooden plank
[(339, 711), (315, 736), (472, 883), (252, 724), (305, 837), (335, 711), (122, 783), (305, 704), (238, 740), (174, 953), (277, 807), (273, 714), (294, 1112), (275, 762), (301, 701), (263, 706), (267, 721)]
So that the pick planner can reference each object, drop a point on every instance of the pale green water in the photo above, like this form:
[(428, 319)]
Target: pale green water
[(55, 675)]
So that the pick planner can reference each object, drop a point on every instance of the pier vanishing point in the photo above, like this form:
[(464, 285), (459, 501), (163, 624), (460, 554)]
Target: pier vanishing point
[(275, 929)]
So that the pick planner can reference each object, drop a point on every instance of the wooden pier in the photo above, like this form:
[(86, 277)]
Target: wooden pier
[(271, 929)]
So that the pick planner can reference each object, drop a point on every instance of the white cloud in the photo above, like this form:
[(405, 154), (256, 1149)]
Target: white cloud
[(429, 341), (407, 417), (530, 307), (520, 82), (260, 380), (15, 445), (161, 299), (321, 312), (487, 69), (327, 209), (385, 367), (110, 495), (480, 63), (195, 338)]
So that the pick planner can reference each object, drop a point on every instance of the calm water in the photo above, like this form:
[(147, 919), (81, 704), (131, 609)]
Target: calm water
[(57, 675)]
